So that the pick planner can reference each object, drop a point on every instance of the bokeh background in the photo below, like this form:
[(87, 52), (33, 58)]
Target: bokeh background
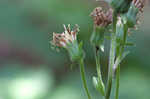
[(30, 69)]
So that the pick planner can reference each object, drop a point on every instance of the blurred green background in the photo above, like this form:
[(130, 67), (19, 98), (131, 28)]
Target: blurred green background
[(30, 69)]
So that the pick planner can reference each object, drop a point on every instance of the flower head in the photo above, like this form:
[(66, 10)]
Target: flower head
[(101, 18), (68, 40), (68, 36), (139, 4), (134, 12)]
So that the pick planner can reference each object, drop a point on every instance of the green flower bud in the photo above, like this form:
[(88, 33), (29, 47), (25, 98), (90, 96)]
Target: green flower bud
[(135, 7), (132, 16), (120, 6), (75, 50)]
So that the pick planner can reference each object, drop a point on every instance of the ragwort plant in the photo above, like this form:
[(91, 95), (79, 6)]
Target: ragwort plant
[(122, 16)]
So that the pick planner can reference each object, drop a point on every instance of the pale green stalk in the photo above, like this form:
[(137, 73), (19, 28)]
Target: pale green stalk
[(119, 59), (98, 68), (111, 57), (82, 71)]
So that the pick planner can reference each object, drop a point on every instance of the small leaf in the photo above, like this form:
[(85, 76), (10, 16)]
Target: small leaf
[(119, 59), (124, 55), (129, 44)]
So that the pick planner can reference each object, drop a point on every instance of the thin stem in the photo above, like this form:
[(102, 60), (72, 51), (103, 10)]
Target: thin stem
[(111, 57), (118, 67), (117, 82), (98, 67), (83, 78)]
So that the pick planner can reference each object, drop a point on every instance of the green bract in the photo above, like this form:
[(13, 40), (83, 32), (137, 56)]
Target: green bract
[(131, 16), (75, 50), (97, 37)]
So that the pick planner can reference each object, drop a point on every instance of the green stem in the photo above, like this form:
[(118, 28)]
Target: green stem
[(118, 67), (111, 57), (98, 68), (98, 65), (117, 82), (83, 78)]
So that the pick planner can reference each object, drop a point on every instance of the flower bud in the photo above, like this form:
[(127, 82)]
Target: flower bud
[(101, 21), (101, 18), (68, 40), (139, 4), (63, 39), (120, 6), (135, 7)]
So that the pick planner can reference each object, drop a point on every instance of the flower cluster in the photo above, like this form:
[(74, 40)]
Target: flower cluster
[(68, 36), (120, 18), (101, 18)]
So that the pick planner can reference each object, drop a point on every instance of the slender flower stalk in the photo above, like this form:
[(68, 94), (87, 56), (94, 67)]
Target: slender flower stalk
[(68, 40), (98, 68), (117, 82), (82, 71), (101, 20), (120, 55), (111, 57)]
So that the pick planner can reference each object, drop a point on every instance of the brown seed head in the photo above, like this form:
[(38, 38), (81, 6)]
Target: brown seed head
[(101, 18), (68, 36)]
